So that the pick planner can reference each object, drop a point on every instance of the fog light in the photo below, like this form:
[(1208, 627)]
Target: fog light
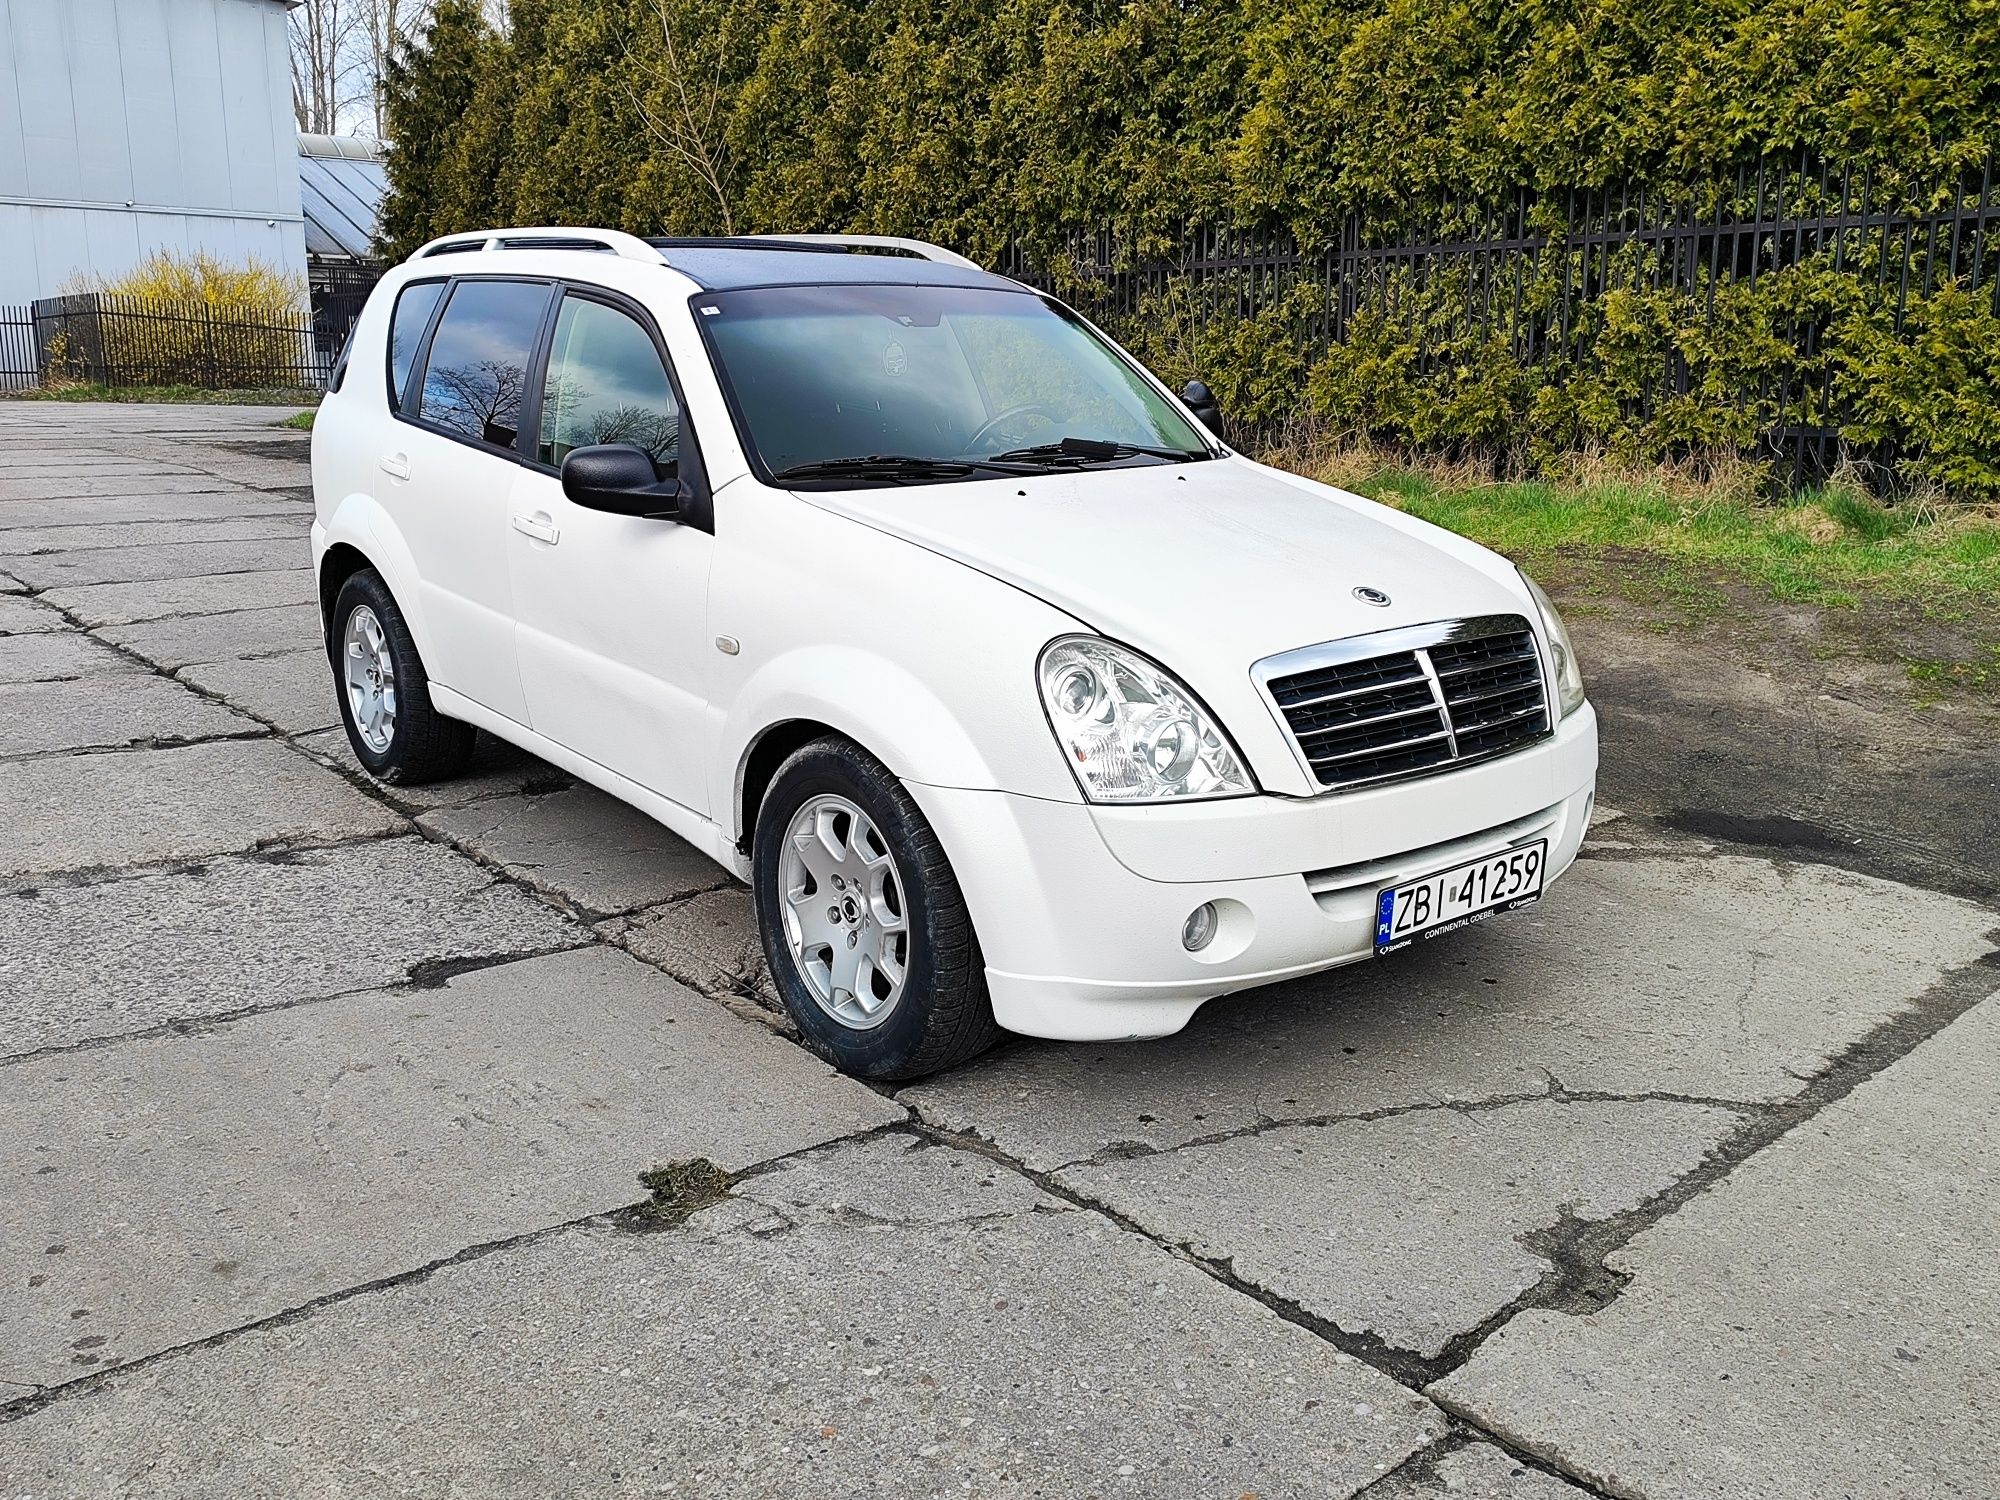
[(1199, 929)]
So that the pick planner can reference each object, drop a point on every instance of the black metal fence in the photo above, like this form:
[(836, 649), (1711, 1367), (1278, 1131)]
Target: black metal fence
[(20, 364), (1535, 272), (339, 289), (104, 339)]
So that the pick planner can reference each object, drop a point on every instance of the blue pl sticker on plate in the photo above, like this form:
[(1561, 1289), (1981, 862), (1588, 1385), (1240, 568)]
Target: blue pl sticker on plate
[(1385, 916)]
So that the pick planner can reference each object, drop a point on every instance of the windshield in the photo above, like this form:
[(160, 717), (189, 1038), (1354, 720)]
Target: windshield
[(839, 386)]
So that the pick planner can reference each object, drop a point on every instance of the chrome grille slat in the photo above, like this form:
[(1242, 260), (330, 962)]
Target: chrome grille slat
[(1464, 700), (1410, 702), (1414, 680), (1522, 659), (1346, 724), (1388, 749)]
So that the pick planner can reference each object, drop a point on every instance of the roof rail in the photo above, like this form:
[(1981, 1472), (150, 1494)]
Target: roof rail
[(919, 248), (615, 241)]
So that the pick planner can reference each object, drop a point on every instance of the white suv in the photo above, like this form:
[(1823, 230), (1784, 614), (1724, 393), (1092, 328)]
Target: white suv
[(1020, 699)]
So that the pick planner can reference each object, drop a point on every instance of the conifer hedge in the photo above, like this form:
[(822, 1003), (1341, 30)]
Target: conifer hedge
[(981, 123)]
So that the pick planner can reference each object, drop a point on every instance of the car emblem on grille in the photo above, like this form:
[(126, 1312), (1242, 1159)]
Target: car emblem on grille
[(1372, 596)]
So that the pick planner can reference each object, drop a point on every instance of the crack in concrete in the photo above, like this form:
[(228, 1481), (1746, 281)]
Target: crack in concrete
[(1579, 1279), (265, 851), (425, 974), (616, 1217), (147, 742), (1553, 1093)]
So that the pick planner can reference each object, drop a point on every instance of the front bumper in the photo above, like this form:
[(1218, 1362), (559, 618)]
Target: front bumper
[(1079, 909)]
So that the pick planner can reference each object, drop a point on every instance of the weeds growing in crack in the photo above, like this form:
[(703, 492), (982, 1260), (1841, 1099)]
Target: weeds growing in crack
[(679, 1190)]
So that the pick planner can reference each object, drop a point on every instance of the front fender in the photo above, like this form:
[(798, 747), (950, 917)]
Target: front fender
[(360, 522), (894, 715)]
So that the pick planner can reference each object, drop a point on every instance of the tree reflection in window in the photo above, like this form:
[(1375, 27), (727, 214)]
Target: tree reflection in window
[(606, 384), (477, 372)]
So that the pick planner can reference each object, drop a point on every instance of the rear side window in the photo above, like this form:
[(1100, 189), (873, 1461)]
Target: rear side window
[(606, 384), (414, 305), (478, 365)]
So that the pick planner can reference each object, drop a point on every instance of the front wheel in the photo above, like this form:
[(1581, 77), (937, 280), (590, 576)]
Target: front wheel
[(863, 924)]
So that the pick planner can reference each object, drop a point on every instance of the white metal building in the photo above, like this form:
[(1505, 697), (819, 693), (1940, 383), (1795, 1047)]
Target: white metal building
[(127, 126)]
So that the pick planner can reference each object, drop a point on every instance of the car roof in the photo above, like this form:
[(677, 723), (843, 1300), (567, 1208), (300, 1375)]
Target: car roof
[(721, 265)]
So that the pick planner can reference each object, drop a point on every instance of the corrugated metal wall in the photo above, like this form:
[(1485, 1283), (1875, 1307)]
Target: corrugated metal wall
[(128, 125)]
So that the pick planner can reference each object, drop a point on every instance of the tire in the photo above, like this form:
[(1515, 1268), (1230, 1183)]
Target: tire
[(940, 1015), (421, 744)]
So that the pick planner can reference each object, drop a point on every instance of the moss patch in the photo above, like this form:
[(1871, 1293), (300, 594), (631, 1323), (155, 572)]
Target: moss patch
[(679, 1190)]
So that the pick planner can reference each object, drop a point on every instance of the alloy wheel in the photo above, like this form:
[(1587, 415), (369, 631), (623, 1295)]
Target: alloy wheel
[(370, 674), (847, 924)]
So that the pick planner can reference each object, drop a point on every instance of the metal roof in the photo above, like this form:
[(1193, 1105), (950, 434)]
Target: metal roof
[(341, 184), (724, 265)]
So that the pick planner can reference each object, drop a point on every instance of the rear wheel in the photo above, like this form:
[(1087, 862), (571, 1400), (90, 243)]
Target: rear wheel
[(384, 692), (863, 924)]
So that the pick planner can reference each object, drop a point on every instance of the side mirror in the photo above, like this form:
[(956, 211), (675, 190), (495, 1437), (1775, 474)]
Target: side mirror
[(1201, 401), (622, 479)]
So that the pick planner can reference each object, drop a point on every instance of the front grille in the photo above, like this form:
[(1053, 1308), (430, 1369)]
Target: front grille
[(1410, 702)]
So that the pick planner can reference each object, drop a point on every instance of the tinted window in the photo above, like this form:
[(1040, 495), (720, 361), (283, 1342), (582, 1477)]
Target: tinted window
[(414, 305), (606, 384), (478, 363)]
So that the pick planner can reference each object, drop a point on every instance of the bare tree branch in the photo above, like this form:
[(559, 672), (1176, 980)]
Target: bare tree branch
[(685, 127)]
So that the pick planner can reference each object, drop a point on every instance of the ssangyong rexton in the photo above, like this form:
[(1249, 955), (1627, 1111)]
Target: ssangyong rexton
[(1020, 699)]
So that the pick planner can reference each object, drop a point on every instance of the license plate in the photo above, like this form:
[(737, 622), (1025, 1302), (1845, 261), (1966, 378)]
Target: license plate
[(1458, 897)]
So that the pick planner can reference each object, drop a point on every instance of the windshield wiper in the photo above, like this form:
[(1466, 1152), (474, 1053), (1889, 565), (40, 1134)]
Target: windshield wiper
[(1092, 450), (898, 468)]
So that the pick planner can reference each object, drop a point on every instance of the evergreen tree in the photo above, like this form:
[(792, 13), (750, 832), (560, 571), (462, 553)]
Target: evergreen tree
[(428, 89)]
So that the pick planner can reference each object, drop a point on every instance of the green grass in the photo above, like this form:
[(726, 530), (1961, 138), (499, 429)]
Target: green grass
[(300, 421), (1829, 546), (171, 394)]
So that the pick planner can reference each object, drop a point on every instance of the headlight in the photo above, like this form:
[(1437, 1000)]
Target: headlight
[(1569, 678), (1131, 733)]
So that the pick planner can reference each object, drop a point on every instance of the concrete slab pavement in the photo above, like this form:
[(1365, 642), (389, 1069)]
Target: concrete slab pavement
[(248, 932), (56, 656), (108, 711), (1670, 969), (178, 804), (172, 644), (293, 690), (1357, 1171), (83, 533), (1823, 1321), (1476, 1471), (173, 560), (167, 1189), (590, 849), (213, 502), (498, 769), (1414, 1228), (709, 941), (874, 1318), (100, 604), (44, 487), (20, 616)]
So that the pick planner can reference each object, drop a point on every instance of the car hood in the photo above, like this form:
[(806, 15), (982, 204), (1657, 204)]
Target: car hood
[(1206, 567)]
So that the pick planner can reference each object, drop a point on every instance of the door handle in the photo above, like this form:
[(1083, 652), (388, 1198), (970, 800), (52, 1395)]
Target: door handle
[(540, 527), (396, 465)]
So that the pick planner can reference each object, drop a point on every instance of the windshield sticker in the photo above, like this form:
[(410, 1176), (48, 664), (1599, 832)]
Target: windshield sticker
[(895, 359)]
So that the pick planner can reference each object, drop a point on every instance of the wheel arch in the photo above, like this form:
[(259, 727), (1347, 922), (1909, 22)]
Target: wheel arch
[(341, 562), (886, 710), (758, 766), (359, 535)]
